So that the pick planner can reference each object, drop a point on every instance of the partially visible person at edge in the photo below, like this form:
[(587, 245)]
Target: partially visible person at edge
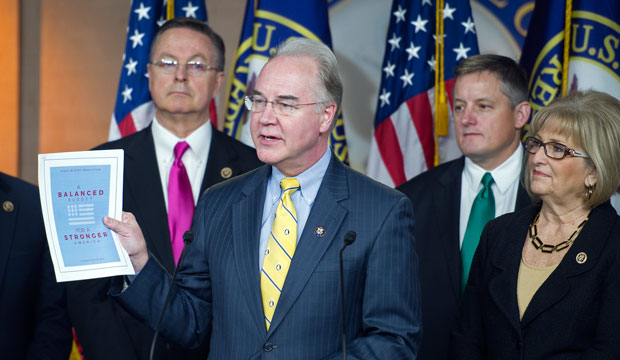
[(181, 147), (34, 324), (545, 281)]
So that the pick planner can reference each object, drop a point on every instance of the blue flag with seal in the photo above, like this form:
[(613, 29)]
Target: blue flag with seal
[(267, 24), (582, 55), (591, 46)]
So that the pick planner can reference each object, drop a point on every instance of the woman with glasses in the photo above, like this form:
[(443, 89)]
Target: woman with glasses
[(545, 281)]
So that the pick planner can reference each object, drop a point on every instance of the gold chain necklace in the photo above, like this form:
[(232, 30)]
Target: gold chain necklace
[(539, 245)]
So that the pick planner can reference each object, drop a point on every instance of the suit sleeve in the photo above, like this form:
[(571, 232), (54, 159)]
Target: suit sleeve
[(467, 337), (391, 314), (191, 295)]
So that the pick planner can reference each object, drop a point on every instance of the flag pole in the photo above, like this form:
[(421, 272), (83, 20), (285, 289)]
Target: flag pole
[(565, 60), (441, 110), (170, 10)]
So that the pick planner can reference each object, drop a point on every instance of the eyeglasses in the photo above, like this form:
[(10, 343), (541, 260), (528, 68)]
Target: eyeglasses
[(193, 68), (256, 104), (552, 149)]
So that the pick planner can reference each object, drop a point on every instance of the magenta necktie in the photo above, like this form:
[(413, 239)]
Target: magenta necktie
[(180, 201)]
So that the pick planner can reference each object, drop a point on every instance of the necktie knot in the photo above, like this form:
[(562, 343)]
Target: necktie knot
[(179, 149), (288, 184), (487, 181)]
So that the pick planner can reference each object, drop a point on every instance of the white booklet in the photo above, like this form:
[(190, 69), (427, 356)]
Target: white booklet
[(77, 190)]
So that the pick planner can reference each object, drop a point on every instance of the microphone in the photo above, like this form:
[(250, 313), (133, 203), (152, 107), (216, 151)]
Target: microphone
[(188, 237), (349, 238)]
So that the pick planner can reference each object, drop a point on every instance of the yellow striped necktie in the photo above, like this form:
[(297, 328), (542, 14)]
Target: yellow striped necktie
[(280, 249)]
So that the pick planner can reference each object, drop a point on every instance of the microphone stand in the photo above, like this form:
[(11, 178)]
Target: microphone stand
[(349, 238), (188, 237)]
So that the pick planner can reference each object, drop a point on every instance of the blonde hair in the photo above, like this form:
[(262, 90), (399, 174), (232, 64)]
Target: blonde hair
[(592, 120)]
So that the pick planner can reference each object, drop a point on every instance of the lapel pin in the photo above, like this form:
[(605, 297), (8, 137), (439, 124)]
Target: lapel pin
[(319, 231), (581, 258), (8, 206), (226, 172)]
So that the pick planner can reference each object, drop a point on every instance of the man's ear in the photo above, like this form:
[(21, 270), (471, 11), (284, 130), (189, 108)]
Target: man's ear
[(522, 114), (328, 116), (219, 79)]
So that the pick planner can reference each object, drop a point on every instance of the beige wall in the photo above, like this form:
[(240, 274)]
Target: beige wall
[(81, 52), (9, 86), (72, 57)]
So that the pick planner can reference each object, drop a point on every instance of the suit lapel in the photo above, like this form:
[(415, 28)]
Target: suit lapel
[(590, 241), (7, 224), (143, 181), (448, 208), (220, 157), (247, 214), (327, 213), (506, 260)]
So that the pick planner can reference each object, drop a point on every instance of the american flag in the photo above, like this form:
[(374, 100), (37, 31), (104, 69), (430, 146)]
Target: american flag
[(404, 142), (134, 109)]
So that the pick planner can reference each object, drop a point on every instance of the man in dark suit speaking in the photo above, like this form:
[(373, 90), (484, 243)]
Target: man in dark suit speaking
[(453, 201), (167, 167), (263, 269)]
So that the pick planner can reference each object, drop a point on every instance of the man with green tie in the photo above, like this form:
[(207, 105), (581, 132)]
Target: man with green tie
[(453, 202)]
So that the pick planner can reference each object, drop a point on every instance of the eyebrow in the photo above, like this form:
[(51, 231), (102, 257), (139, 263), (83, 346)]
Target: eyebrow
[(288, 97), (280, 97), (485, 99), (559, 141), (193, 57), (552, 139)]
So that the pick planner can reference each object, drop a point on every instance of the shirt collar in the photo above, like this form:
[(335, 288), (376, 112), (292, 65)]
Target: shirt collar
[(198, 140), (309, 180), (504, 175)]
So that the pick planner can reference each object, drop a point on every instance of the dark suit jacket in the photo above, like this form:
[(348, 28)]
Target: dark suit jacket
[(33, 318), (106, 330), (573, 315), (436, 198), (219, 281)]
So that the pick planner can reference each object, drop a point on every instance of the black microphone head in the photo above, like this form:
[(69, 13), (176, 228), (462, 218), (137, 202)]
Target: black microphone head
[(188, 237), (349, 237)]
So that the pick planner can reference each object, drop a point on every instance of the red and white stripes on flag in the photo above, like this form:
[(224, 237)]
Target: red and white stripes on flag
[(404, 142)]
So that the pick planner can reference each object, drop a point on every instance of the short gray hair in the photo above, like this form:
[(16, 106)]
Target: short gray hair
[(198, 26), (330, 88)]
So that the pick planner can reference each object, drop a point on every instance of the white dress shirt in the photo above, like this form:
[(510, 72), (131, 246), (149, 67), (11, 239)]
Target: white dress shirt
[(194, 159), (505, 187)]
